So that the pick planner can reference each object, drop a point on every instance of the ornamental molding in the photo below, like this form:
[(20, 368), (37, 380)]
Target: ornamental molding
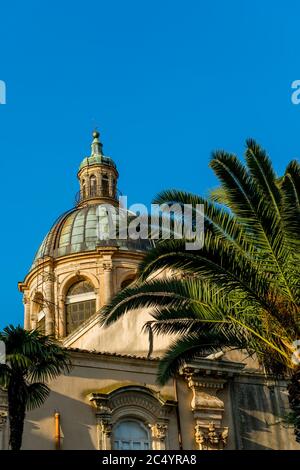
[(205, 378), (127, 397), (135, 402)]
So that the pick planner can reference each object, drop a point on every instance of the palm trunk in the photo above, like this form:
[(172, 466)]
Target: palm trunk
[(294, 401), (16, 411)]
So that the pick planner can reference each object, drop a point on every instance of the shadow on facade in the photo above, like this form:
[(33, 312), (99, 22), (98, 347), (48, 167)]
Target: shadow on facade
[(77, 424)]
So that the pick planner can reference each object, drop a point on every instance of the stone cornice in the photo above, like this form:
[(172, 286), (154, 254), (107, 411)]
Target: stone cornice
[(77, 257), (211, 369)]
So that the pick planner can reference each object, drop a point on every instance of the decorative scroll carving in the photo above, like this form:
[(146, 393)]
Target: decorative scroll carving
[(205, 378), (211, 438)]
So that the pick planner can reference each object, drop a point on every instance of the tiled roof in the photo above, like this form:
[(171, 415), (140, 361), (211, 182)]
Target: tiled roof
[(111, 354)]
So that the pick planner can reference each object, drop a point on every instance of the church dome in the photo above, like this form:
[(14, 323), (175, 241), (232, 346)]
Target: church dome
[(84, 229), (89, 225)]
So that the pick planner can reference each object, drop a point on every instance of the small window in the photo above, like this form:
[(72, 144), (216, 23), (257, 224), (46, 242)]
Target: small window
[(131, 435)]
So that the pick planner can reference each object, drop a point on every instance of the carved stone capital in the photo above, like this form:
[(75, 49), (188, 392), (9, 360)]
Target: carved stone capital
[(159, 431), (107, 266)]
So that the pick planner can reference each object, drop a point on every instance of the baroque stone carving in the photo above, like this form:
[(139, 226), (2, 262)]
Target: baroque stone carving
[(137, 402), (159, 431), (105, 426), (207, 407), (107, 266), (211, 438)]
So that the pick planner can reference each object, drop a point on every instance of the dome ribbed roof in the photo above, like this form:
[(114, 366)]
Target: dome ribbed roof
[(97, 160), (83, 229)]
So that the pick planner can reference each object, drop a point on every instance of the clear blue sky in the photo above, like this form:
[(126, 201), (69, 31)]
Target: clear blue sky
[(166, 82)]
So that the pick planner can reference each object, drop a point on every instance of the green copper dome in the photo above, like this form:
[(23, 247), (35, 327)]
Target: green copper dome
[(96, 160), (81, 230), (96, 157)]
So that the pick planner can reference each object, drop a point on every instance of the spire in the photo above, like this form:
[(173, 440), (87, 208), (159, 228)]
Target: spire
[(96, 144)]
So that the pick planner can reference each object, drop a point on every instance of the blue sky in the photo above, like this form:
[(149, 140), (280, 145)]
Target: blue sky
[(166, 82)]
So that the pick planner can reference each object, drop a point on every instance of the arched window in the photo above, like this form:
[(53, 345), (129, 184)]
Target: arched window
[(38, 312), (131, 435), (83, 185), (127, 282), (93, 186), (105, 186), (80, 304)]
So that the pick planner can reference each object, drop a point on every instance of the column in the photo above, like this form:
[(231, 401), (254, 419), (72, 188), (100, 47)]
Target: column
[(49, 306), (62, 327), (107, 270), (33, 317), (104, 430), (27, 322)]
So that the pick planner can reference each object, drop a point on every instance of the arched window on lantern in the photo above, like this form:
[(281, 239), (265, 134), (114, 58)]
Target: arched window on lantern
[(83, 186), (80, 304), (93, 186), (114, 189), (105, 186), (131, 435)]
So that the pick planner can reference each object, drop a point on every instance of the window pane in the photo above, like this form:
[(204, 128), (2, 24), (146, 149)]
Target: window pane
[(131, 435), (78, 312)]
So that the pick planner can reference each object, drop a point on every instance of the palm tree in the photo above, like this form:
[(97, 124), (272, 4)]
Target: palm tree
[(241, 290), (32, 359)]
